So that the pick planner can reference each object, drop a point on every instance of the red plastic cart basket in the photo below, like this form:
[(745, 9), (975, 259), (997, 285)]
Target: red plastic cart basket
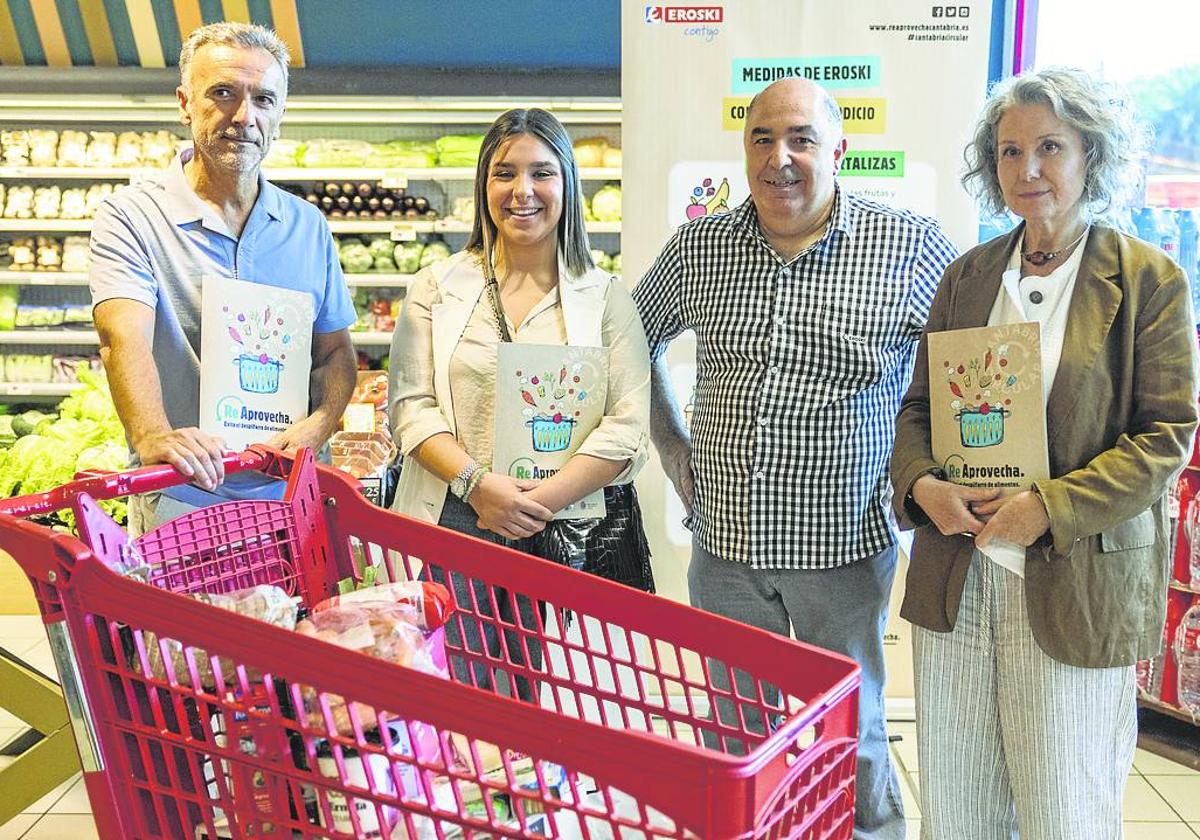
[(637, 732)]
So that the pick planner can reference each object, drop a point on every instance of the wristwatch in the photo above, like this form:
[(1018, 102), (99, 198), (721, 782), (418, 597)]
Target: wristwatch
[(460, 482)]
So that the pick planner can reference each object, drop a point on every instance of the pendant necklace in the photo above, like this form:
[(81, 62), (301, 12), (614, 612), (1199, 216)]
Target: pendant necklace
[(1040, 258)]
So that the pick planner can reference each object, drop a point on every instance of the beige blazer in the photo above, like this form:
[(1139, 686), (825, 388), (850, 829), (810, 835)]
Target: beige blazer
[(419, 493), (1120, 418)]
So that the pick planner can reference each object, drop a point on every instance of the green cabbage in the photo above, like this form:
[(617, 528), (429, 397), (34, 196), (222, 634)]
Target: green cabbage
[(407, 256), (355, 258), (433, 252)]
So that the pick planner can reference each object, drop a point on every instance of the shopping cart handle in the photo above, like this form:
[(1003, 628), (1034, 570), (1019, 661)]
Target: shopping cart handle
[(142, 480)]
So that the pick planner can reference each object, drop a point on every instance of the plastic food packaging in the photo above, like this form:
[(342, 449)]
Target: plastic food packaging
[(14, 147), (129, 149), (381, 629), (102, 150), (18, 203), (46, 201), (43, 147), (264, 603), (72, 148), (425, 605), (75, 254)]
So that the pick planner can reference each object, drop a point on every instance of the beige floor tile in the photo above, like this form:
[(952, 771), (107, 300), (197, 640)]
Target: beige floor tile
[(64, 827), (1155, 765), (74, 801), (39, 657), (1181, 792), (17, 826), (20, 627), (1195, 827), (47, 802), (9, 721), (1144, 804), (1157, 831)]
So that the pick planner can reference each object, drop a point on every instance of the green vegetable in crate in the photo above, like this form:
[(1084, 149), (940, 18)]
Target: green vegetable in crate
[(384, 263), (381, 246), (28, 422), (8, 306), (433, 252), (601, 259), (615, 267), (407, 256), (459, 149), (606, 204), (355, 258), (7, 436)]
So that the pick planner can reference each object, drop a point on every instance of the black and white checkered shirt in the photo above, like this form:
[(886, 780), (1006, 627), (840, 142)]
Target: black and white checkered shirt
[(800, 371)]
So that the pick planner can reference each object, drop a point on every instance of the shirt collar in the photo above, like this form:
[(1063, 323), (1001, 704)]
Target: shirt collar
[(745, 217), (183, 206)]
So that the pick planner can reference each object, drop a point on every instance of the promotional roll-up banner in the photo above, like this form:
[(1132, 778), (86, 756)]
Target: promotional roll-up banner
[(910, 77)]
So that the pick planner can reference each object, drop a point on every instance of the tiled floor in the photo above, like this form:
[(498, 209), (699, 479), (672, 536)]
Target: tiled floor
[(1162, 800)]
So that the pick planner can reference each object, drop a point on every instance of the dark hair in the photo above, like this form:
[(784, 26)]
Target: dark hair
[(572, 234)]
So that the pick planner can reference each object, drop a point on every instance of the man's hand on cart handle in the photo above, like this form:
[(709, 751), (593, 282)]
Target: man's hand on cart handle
[(190, 451), (505, 509)]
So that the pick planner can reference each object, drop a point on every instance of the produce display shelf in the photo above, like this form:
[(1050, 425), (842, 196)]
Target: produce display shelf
[(1167, 709), (49, 337), (1183, 587), (44, 225), (44, 278), (434, 226), (381, 279), (36, 389), (54, 173), (297, 173), (371, 337)]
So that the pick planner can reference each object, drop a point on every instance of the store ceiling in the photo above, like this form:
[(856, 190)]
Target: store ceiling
[(421, 33)]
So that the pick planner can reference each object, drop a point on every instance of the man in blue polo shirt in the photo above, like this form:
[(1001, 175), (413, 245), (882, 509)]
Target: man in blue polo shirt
[(212, 214)]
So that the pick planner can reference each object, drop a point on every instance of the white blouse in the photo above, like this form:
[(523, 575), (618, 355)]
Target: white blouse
[(1046, 300), (623, 433)]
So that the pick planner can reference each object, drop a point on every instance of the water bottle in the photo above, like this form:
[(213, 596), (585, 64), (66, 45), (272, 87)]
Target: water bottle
[(1168, 233), (1146, 224), (1189, 240), (1187, 655)]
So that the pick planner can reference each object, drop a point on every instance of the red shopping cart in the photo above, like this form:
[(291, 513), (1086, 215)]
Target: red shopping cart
[(652, 719)]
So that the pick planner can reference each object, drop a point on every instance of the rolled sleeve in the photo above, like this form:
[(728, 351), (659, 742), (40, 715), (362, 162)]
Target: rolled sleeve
[(413, 408), (120, 265), (623, 432)]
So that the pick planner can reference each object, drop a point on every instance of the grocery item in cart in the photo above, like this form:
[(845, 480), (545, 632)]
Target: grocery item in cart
[(264, 603), (366, 456), (426, 605)]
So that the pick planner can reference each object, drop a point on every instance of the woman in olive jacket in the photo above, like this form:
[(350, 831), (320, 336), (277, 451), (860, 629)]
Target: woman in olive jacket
[(1025, 687)]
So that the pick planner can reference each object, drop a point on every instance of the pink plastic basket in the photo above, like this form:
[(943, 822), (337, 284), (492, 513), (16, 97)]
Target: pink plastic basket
[(622, 743)]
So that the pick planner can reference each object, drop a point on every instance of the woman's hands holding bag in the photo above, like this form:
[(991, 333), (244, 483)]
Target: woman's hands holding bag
[(504, 508)]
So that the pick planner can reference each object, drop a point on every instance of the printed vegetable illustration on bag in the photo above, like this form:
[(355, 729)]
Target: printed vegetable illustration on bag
[(260, 344), (982, 389), (555, 400)]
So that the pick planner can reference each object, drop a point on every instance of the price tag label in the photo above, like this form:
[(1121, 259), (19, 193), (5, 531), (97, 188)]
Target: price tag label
[(404, 232), (394, 179)]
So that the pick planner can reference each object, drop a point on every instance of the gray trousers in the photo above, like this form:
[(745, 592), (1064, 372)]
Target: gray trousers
[(843, 610), (1010, 742)]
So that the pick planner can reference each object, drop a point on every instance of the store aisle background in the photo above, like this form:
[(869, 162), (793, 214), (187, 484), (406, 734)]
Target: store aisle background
[(1162, 798)]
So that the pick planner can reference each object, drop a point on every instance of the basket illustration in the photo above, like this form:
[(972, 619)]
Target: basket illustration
[(258, 374), (217, 742), (551, 434), (979, 428)]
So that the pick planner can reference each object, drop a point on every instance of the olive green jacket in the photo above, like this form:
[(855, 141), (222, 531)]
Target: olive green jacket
[(1119, 421)]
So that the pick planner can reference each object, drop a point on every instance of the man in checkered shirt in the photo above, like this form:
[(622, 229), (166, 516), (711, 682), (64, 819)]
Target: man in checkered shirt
[(807, 303)]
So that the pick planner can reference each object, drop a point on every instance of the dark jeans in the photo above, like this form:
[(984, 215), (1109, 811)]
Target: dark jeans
[(476, 626)]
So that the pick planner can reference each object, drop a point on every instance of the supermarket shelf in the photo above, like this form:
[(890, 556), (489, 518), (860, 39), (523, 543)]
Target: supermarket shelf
[(36, 389), (1183, 587), (316, 173), (439, 173), (1149, 702), (44, 278), (371, 337), (391, 280), (45, 225), (436, 226), (49, 337), (54, 173)]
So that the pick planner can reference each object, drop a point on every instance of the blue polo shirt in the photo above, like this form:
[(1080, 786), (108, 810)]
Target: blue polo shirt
[(154, 242)]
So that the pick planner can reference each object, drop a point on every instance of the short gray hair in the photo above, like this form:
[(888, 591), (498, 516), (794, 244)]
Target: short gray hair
[(1114, 141), (249, 35), (832, 110)]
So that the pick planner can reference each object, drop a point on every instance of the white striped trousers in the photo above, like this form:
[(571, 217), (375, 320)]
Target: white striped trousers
[(1012, 743)]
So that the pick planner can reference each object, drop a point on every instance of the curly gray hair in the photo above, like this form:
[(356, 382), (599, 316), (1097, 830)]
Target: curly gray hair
[(1113, 140), (249, 35)]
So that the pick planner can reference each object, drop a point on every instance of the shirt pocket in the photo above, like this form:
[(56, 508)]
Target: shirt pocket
[(860, 337), (1138, 532)]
